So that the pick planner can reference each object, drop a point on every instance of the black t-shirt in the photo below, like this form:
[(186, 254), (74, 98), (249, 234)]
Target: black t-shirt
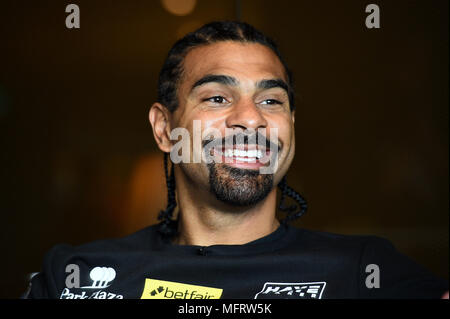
[(288, 263)]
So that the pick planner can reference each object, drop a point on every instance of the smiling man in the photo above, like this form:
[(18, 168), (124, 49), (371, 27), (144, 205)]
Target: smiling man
[(219, 236), (237, 85)]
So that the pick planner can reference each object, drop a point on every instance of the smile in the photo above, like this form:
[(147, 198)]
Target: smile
[(243, 156)]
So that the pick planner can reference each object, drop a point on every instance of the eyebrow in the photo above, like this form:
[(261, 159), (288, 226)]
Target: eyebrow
[(231, 81), (212, 78), (272, 83)]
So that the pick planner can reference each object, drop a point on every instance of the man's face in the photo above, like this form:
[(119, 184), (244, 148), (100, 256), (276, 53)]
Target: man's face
[(232, 85)]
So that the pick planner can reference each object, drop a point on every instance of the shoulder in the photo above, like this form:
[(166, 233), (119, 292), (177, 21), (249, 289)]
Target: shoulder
[(313, 239), (364, 249), (382, 271), (143, 239), (345, 250), (63, 259)]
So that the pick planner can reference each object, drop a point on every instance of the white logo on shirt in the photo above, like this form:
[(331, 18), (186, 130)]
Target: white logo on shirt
[(304, 290), (100, 277)]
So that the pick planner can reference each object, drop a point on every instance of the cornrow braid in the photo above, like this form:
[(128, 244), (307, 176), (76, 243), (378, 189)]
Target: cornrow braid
[(218, 31), (293, 211), (168, 226)]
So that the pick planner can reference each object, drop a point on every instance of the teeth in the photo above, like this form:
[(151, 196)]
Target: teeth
[(242, 153), (245, 159)]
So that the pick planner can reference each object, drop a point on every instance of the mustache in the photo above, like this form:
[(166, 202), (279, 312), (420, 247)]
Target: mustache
[(242, 139)]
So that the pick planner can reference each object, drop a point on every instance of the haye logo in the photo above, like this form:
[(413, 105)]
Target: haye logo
[(160, 289), (307, 290)]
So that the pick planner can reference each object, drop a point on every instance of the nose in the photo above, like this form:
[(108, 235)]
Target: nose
[(246, 115)]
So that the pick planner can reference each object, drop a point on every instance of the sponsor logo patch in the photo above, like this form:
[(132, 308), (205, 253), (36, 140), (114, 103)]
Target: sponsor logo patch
[(160, 289), (101, 278), (281, 290)]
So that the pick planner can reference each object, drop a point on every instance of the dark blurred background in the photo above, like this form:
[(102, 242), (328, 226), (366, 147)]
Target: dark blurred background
[(77, 157)]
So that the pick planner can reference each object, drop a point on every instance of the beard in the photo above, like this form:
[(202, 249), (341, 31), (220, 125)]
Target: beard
[(238, 187)]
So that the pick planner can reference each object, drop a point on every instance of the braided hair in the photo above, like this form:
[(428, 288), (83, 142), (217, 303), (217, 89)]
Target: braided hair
[(168, 225), (168, 82), (293, 211), (172, 69)]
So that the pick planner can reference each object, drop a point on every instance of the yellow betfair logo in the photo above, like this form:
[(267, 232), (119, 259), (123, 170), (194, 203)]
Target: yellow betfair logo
[(160, 289)]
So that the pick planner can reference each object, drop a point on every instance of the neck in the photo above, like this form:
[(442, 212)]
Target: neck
[(204, 221)]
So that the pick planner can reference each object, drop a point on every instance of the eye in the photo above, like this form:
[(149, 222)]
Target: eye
[(216, 99), (270, 102)]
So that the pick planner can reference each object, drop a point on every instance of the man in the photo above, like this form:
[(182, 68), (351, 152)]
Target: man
[(225, 240)]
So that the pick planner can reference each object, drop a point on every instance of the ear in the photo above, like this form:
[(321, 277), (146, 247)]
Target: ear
[(159, 117), (293, 116)]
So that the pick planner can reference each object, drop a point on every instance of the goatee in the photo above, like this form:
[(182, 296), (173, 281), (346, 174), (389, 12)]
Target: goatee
[(238, 187)]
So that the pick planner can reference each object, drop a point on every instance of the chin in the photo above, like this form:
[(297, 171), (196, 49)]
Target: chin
[(238, 186)]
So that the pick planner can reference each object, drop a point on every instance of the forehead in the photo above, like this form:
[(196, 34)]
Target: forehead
[(244, 61)]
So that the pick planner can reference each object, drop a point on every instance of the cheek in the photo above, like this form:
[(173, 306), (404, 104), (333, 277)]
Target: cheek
[(207, 126), (286, 135), (289, 148), (285, 129), (290, 156), (200, 127)]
